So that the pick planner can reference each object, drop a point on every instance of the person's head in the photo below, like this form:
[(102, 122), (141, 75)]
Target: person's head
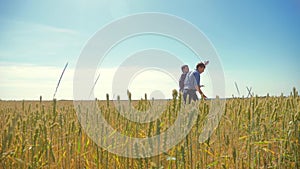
[(185, 68), (200, 67)]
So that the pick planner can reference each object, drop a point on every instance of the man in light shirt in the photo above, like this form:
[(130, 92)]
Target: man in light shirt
[(192, 83)]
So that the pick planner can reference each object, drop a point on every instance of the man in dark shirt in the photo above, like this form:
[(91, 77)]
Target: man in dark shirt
[(185, 70)]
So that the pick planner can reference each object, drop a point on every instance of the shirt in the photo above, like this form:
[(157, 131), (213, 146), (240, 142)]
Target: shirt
[(197, 76), (190, 81), (181, 81)]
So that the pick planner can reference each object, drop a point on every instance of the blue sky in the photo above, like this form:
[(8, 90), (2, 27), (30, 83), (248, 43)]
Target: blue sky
[(257, 42)]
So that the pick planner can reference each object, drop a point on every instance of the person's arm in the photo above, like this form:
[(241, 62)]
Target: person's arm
[(200, 91), (197, 85), (197, 78), (181, 82)]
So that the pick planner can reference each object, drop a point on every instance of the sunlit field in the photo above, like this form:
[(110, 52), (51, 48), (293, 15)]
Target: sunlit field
[(256, 132)]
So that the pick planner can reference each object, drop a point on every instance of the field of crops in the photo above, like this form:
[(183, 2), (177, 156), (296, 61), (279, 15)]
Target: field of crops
[(253, 133)]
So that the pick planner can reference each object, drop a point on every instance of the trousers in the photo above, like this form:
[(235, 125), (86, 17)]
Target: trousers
[(191, 94)]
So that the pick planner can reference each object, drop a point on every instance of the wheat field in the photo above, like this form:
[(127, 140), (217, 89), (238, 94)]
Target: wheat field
[(256, 132)]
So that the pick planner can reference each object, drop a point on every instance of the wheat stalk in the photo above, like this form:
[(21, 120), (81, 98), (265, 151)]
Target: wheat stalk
[(60, 80)]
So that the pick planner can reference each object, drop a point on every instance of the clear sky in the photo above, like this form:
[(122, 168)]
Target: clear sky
[(258, 43)]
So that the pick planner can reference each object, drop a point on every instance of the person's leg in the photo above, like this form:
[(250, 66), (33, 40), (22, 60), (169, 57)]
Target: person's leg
[(194, 95), (185, 95), (190, 95)]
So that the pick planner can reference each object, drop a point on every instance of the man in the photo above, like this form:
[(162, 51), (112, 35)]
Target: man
[(192, 83), (185, 70)]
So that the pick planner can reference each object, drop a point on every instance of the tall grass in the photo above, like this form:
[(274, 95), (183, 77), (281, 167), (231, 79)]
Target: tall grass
[(58, 83), (253, 133)]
